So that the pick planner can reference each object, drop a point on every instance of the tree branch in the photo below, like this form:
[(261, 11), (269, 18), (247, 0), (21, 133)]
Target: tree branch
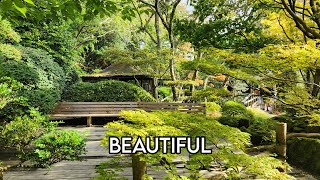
[(300, 23), (284, 31)]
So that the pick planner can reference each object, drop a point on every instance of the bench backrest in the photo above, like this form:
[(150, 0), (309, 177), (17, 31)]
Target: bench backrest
[(113, 108)]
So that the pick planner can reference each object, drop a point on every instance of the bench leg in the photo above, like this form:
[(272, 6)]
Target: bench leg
[(89, 121)]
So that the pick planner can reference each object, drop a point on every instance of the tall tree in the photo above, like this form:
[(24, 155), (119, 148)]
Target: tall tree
[(166, 10)]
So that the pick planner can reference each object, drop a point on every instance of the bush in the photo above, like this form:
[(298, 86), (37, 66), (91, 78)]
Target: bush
[(22, 130), (7, 34), (21, 72), (57, 146), (212, 107), (305, 153), (43, 80), (210, 94), (37, 70), (107, 91), (236, 115), (42, 99), (164, 92), (253, 121), (51, 75)]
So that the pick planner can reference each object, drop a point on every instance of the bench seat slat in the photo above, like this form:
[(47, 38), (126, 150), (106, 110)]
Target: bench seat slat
[(112, 109)]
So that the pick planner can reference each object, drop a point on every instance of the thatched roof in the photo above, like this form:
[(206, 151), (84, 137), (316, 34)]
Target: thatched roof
[(120, 69)]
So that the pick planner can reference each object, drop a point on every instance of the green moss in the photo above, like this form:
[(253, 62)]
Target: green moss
[(305, 153)]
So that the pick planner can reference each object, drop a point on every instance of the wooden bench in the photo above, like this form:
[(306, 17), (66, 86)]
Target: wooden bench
[(112, 109)]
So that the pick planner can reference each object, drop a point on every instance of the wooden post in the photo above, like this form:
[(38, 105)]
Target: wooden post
[(281, 140), (89, 121), (138, 167)]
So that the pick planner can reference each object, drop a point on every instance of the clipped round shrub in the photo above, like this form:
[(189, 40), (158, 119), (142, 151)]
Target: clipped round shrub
[(210, 94), (107, 91), (212, 107), (57, 146), (43, 80), (51, 75), (43, 99), (236, 115), (20, 71)]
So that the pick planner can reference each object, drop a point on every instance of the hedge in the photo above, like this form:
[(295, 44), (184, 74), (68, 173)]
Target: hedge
[(107, 91), (305, 153)]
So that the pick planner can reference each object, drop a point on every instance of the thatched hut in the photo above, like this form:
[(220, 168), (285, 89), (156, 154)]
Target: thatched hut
[(127, 73)]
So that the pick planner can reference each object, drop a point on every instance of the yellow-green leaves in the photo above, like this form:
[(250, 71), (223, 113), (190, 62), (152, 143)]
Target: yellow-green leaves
[(9, 52), (7, 33), (22, 10), (29, 2)]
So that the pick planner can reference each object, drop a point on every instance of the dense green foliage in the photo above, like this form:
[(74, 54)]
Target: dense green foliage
[(142, 124), (106, 91), (210, 94), (57, 146), (22, 130), (303, 152), (255, 122), (235, 114), (43, 79)]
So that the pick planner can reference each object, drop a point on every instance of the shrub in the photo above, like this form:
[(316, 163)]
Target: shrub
[(212, 107), (51, 75), (236, 115), (7, 33), (305, 153), (106, 91), (21, 72), (43, 80), (57, 146), (8, 90), (210, 94), (253, 121), (164, 91), (42, 99), (22, 130)]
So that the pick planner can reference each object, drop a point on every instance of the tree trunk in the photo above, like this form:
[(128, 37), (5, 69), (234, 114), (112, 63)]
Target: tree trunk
[(159, 45), (157, 27), (195, 74), (194, 77), (155, 88), (138, 167), (316, 88), (308, 77)]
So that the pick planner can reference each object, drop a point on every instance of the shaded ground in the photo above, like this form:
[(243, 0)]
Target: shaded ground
[(96, 154)]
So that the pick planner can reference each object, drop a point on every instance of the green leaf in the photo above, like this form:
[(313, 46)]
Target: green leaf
[(22, 10), (29, 2)]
